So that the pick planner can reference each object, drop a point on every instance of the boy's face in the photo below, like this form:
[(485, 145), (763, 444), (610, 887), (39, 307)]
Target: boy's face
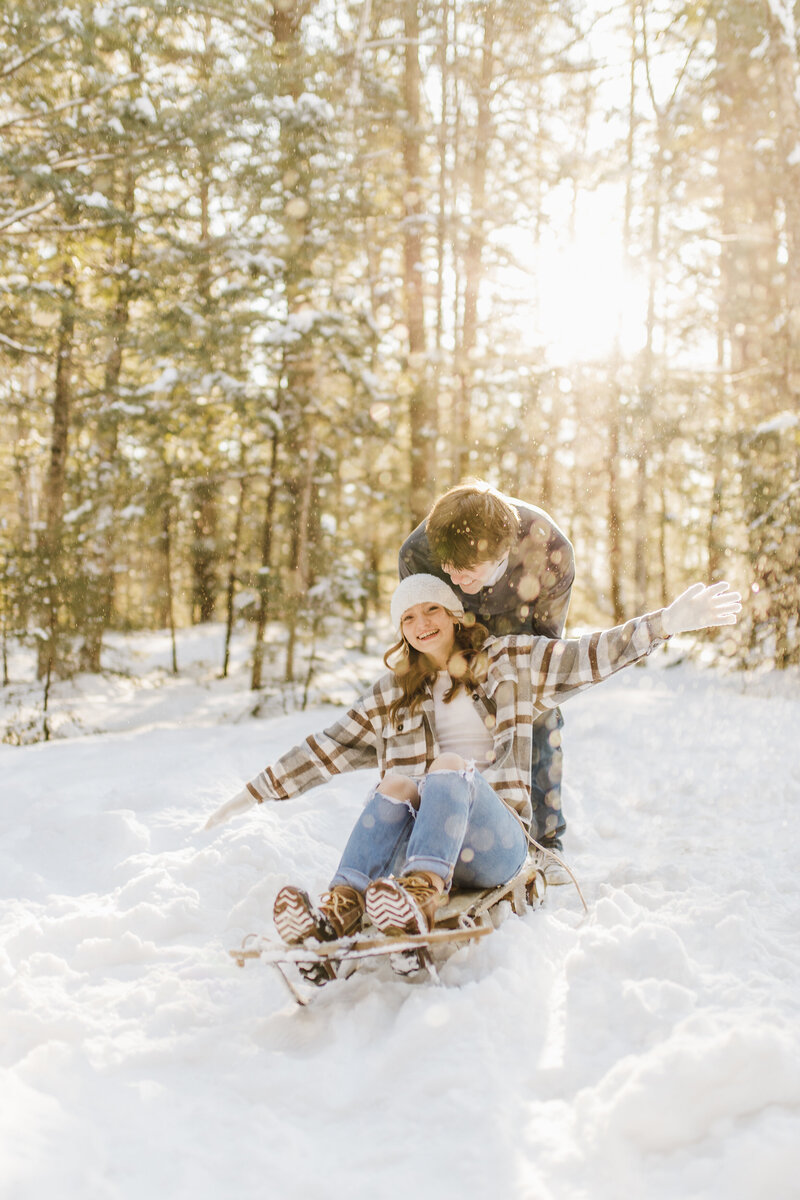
[(471, 579)]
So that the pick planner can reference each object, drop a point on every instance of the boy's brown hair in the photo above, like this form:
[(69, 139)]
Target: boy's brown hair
[(471, 523)]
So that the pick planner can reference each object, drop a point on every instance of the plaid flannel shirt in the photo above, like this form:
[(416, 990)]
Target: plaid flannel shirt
[(527, 675)]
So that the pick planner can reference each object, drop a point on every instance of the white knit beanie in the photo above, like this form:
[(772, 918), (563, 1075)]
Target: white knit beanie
[(424, 589)]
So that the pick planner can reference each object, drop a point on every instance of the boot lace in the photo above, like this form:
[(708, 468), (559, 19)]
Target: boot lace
[(340, 905), (419, 887)]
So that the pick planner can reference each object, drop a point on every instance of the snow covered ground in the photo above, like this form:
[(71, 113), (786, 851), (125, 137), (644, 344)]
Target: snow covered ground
[(651, 1049)]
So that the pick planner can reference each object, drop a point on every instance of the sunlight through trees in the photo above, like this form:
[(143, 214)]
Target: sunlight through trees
[(273, 276)]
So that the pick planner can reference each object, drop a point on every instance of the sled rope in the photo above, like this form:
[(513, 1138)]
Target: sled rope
[(557, 857)]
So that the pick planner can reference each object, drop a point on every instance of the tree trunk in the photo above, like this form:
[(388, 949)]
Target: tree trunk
[(49, 658), (232, 567), (613, 515), (662, 541), (298, 576), (101, 594), (166, 529), (614, 507), (421, 412), (442, 209), (646, 392), (786, 74), (205, 498), (263, 579), (476, 240)]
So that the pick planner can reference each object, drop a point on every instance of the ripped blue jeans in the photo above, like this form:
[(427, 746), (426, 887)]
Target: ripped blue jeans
[(462, 831)]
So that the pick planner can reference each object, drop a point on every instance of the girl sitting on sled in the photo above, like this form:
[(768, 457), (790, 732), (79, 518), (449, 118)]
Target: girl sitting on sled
[(449, 728)]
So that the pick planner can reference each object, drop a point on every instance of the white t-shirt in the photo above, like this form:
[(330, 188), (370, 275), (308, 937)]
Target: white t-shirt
[(459, 727)]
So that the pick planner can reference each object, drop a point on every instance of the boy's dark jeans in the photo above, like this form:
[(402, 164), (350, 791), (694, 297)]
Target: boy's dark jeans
[(546, 766)]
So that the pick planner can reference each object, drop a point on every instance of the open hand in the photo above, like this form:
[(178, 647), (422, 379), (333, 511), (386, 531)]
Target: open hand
[(701, 607)]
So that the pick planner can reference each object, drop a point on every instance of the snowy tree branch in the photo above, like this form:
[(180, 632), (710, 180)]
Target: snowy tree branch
[(26, 212), (20, 62), (65, 105)]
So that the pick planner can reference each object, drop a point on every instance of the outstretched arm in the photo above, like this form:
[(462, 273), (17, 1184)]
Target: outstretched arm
[(349, 744), (562, 667)]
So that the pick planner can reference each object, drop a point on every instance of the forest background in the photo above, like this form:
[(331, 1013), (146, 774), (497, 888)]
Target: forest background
[(275, 275)]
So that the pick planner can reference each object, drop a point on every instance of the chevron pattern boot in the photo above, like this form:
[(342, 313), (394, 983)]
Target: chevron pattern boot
[(339, 914), (405, 905)]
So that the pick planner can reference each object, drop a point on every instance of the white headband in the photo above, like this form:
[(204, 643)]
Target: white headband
[(422, 589)]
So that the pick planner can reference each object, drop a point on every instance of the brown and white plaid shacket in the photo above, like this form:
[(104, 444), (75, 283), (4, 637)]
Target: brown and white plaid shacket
[(527, 676)]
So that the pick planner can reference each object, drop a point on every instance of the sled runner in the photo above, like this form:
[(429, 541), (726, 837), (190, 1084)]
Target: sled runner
[(466, 916)]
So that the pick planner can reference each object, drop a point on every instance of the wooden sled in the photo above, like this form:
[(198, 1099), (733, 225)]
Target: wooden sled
[(467, 915)]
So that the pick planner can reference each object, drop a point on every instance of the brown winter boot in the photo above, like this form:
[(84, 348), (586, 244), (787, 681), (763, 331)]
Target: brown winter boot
[(296, 919), (405, 905), (343, 908), (338, 914)]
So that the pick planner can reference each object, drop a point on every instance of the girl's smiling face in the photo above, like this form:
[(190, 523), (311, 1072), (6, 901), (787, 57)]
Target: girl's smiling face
[(430, 629)]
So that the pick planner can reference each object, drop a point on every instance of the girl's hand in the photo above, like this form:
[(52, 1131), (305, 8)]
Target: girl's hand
[(701, 607), (240, 803)]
